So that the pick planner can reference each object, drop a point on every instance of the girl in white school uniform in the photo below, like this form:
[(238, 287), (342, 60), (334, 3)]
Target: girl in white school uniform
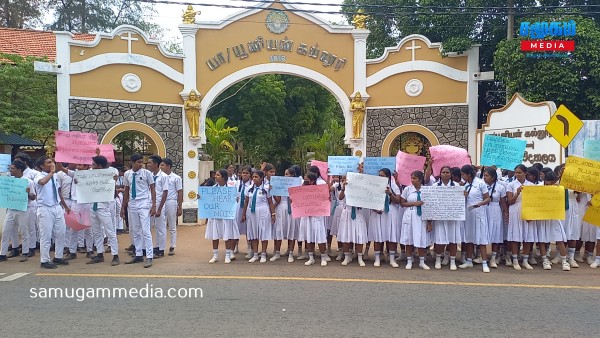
[(516, 225), (334, 184), (476, 227), (383, 224), (352, 229), (596, 262), (243, 184), (335, 217), (497, 212), (283, 223), (588, 231), (572, 224), (224, 229), (415, 231), (312, 230), (260, 214), (552, 231)]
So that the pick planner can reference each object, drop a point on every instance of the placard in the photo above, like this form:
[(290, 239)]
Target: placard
[(366, 191), (448, 155), (323, 168), (341, 165), (13, 193), (310, 200), (96, 185), (592, 214), (108, 151), (372, 165), (545, 202), (581, 175), (591, 149), (406, 164), (217, 202), (502, 152), (75, 147), (4, 163), (280, 185), (441, 203)]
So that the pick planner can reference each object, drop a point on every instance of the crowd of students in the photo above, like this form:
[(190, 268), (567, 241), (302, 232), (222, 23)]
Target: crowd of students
[(144, 198), (398, 232)]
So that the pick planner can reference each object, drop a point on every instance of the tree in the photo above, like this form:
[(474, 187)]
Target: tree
[(20, 13), (130, 142), (573, 81), (28, 104), (219, 139)]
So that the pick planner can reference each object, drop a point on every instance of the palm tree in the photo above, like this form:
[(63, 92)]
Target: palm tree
[(219, 139)]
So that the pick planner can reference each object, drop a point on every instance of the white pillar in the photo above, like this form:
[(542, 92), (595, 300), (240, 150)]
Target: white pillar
[(472, 98), (360, 85), (190, 164), (63, 78)]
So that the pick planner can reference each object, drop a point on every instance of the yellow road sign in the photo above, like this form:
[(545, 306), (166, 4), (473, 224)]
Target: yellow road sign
[(564, 125)]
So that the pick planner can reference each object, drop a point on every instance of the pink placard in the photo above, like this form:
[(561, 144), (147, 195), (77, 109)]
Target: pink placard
[(448, 155), (73, 220), (406, 164), (310, 200), (108, 151), (323, 168), (75, 147)]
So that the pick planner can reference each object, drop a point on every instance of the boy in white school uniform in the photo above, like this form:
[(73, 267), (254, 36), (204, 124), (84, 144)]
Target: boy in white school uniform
[(161, 189), (140, 200), (32, 208), (50, 214), (172, 208)]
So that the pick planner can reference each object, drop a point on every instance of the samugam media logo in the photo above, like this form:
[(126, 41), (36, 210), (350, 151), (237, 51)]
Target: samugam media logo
[(539, 31)]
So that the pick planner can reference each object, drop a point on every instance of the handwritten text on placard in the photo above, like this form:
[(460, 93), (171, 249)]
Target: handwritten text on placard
[(217, 202), (406, 164), (443, 203), (95, 185), (13, 194), (366, 191), (75, 147), (340, 165), (280, 185), (448, 155), (543, 202), (372, 165), (310, 200), (503, 152), (581, 175)]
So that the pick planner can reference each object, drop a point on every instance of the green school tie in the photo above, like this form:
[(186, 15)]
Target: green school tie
[(566, 199), (289, 206), (133, 192), (95, 206), (419, 207), (253, 204), (387, 204), (353, 213), (243, 197), (54, 190)]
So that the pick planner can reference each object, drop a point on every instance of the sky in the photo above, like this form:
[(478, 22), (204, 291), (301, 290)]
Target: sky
[(169, 16)]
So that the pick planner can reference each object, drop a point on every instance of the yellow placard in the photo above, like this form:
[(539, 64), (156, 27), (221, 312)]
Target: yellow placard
[(543, 202), (581, 175), (592, 215), (563, 126)]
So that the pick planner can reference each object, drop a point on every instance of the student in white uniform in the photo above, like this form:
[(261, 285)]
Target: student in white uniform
[(243, 184), (588, 230), (140, 202), (257, 208), (66, 183), (224, 229), (50, 214), (173, 205), (415, 231), (32, 208), (530, 235), (497, 212), (231, 176), (383, 224), (283, 223), (335, 219), (18, 219), (102, 222), (516, 225), (552, 231), (158, 221), (119, 189), (572, 224), (352, 229), (313, 231)]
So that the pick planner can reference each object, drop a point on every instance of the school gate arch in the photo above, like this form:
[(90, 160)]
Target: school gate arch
[(124, 76)]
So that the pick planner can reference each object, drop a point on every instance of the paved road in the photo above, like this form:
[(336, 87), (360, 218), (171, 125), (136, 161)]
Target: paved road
[(274, 298)]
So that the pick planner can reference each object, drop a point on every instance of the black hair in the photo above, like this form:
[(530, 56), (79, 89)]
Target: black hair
[(315, 169), (492, 173), (558, 169), (136, 157), (455, 172), (291, 171), (261, 174), (446, 167), (101, 161), (268, 167), (387, 174), (535, 172), (312, 177), (538, 166), (545, 170), (468, 169), (24, 157), (224, 174), (40, 161), (550, 176), (419, 174), (20, 165), (156, 159), (522, 167), (297, 170), (168, 161)]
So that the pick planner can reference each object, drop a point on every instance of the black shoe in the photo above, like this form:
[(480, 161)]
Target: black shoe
[(119, 231), (48, 265), (115, 261), (31, 253), (14, 253), (148, 263), (136, 259), (60, 261), (65, 251), (72, 256), (3, 258), (23, 258), (130, 248), (81, 249), (96, 259), (171, 251), (89, 254)]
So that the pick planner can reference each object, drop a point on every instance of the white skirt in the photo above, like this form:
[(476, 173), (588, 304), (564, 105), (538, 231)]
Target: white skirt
[(293, 231), (283, 221), (383, 227), (476, 226), (446, 232), (312, 229), (224, 229), (400, 211), (352, 230), (414, 229), (238, 219), (530, 233), (335, 220), (588, 232), (259, 224), (495, 222), (515, 224), (551, 231), (572, 222)]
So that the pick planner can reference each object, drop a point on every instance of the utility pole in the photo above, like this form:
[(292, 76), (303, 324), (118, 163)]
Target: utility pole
[(510, 31)]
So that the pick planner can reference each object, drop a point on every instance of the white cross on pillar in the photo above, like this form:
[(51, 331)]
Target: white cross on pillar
[(412, 49), (129, 39)]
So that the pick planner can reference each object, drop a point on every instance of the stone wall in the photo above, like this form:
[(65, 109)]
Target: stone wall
[(448, 123), (100, 116)]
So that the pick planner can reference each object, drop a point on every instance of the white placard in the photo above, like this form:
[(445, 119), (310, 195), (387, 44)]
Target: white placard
[(443, 203), (366, 191), (95, 185)]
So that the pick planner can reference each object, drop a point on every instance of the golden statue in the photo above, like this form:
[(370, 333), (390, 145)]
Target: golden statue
[(192, 113), (412, 143), (189, 16), (357, 107), (360, 20)]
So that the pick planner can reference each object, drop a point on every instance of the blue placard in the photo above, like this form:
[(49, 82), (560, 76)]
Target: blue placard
[(341, 165), (372, 165), (4, 163), (591, 149), (13, 193), (502, 152), (280, 185), (217, 202)]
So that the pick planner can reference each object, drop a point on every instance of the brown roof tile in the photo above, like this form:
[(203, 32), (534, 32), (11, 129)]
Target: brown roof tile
[(27, 42)]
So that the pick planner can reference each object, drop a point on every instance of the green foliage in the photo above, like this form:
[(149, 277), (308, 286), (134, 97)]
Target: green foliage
[(572, 81), (130, 142), (219, 139), (27, 99), (20, 13)]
